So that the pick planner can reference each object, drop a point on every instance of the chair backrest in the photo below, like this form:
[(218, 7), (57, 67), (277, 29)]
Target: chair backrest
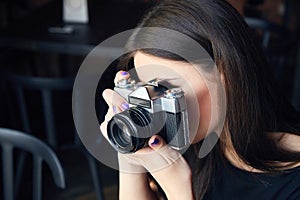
[(46, 86), (12, 139)]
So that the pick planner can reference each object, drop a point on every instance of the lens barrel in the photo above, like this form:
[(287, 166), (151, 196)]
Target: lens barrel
[(130, 130)]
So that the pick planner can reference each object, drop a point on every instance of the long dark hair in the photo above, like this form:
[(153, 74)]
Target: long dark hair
[(254, 105)]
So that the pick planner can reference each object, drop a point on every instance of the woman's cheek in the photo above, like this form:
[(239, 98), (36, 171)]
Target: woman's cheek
[(199, 113)]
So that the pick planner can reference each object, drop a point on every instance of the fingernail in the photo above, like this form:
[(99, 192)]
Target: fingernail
[(125, 106), (155, 142), (124, 73), (115, 109)]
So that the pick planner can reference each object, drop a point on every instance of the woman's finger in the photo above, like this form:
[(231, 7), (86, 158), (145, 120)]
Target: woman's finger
[(158, 155), (116, 104), (165, 155), (115, 101), (107, 118), (120, 76), (156, 142)]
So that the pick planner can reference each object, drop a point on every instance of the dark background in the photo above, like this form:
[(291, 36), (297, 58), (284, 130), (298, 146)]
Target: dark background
[(24, 22)]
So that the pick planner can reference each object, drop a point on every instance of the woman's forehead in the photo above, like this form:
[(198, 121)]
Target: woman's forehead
[(143, 59)]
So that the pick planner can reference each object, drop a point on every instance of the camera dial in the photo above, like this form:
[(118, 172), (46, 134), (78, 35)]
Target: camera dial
[(174, 93), (126, 83)]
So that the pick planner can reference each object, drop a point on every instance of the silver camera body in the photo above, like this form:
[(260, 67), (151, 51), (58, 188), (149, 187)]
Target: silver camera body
[(153, 109)]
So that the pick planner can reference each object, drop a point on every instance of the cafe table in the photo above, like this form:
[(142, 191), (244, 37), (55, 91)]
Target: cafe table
[(106, 18)]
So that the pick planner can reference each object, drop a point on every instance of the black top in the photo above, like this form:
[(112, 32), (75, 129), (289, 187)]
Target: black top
[(231, 182)]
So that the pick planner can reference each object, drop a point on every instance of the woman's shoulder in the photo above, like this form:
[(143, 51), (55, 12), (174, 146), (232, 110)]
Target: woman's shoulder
[(231, 179), (233, 176), (286, 141), (290, 142)]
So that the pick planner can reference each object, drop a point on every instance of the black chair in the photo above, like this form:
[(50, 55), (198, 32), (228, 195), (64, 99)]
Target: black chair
[(12, 139), (276, 42), (46, 87)]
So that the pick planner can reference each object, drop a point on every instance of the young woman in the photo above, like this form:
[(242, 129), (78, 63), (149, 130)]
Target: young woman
[(258, 152)]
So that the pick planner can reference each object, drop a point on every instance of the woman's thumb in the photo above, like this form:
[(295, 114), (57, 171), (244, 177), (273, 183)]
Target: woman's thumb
[(162, 156), (156, 142)]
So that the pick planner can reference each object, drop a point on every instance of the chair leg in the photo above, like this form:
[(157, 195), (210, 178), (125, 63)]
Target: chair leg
[(95, 176), (7, 172)]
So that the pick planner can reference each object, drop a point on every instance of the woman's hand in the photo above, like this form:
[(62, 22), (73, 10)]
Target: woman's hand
[(115, 102), (132, 185), (166, 165), (169, 169)]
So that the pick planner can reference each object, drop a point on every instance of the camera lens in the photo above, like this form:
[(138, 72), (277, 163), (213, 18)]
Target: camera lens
[(129, 130), (122, 133)]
